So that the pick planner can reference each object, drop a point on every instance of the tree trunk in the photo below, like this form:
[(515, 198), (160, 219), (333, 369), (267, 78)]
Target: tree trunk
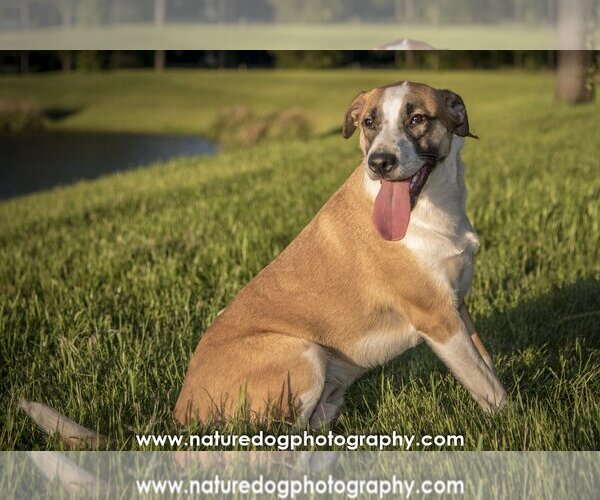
[(573, 84), (66, 59), (222, 57), (160, 12), (24, 14), (406, 59), (228, 11), (573, 16), (519, 11), (399, 11), (116, 62), (66, 13), (410, 13), (551, 15), (222, 11), (24, 59), (117, 11), (160, 59), (551, 60), (518, 58)]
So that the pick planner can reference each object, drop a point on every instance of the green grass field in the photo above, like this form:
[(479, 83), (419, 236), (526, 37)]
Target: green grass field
[(107, 286), (347, 36), (186, 102)]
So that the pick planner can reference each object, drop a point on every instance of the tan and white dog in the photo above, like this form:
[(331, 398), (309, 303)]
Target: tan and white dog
[(384, 265)]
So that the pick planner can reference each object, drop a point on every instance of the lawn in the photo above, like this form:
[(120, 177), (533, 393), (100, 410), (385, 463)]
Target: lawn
[(187, 102), (353, 36), (106, 286)]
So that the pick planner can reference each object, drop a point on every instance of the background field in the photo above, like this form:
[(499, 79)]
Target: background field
[(181, 101), (106, 286), (257, 36)]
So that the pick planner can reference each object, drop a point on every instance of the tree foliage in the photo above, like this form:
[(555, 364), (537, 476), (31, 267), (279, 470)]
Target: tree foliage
[(307, 11)]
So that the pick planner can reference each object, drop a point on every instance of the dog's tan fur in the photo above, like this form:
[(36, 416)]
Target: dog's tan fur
[(337, 301)]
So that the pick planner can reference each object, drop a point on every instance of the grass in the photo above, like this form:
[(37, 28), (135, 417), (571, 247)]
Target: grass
[(107, 286), (356, 36), (239, 126), (188, 102)]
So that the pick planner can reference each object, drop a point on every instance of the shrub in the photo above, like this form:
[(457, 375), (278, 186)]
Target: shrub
[(289, 123), (19, 116), (239, 126)]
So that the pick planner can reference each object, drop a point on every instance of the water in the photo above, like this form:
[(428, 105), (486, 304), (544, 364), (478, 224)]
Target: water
[(32, 162)]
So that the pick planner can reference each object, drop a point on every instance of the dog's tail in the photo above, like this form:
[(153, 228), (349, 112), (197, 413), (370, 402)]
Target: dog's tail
[(72, 434)]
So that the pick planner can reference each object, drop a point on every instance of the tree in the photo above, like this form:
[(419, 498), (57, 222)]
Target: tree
[(65, 7), (89, 12), (116, 12), (227, 10), (573, 83), (160, 13), (405, 11), (66, 60), (551, 11), (24, 14), (308, 11)]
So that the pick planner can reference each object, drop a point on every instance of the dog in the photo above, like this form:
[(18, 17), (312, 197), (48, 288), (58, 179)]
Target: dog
[(385, 265)]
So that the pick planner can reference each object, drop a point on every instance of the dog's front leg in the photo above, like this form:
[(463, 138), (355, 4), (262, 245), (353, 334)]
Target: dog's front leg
[(449, 338), (468, 322)]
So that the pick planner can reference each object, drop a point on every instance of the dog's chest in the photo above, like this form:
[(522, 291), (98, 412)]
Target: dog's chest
[(389, 336), (446, 249)]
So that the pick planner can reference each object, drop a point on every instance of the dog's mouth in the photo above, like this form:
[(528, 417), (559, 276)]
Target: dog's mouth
[(396, 199), (417, 182)]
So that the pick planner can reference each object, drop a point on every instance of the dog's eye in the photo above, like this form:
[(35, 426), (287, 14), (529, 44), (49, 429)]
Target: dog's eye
[(368, 121), (417, 119)]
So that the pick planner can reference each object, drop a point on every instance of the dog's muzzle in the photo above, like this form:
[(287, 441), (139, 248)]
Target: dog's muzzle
[(382, 164)]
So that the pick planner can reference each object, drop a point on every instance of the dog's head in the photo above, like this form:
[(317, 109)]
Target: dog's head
[(405, 128)]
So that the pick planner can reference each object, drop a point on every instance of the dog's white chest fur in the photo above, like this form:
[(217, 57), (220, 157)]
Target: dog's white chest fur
[(439, 232), (441, 236), (389, 338)]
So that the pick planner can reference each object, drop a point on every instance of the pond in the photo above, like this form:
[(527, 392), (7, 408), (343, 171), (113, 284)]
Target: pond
[(32, 162)]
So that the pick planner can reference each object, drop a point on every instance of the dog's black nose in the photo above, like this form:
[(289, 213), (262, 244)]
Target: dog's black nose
[(382, 163)]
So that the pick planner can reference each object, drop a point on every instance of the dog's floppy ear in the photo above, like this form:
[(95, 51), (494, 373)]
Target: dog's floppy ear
[(351, 119), (457, 113)]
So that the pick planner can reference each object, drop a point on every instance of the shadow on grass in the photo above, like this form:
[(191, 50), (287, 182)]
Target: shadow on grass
[(335, 131), (59, 113), (552, 320)]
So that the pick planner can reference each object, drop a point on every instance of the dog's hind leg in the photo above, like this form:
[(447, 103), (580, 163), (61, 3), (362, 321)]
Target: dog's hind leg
[(339, 376), (328, 405), (309, 399), (264, 375)]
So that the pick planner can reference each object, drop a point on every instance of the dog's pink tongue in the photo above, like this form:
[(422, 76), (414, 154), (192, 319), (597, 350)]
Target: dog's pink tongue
[(391, 211)]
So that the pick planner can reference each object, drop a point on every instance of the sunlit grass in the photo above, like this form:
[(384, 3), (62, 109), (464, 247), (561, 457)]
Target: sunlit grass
[(187, 101)]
